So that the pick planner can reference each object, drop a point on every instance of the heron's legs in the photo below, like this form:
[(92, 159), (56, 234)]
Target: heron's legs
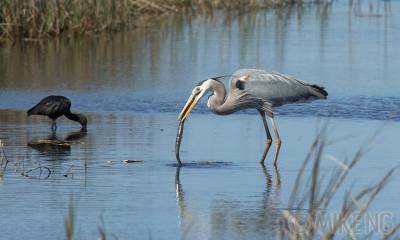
[(54, 126), (278, 139), (269, 138)]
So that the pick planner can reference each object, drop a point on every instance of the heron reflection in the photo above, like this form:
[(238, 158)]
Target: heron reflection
[(230, 216)]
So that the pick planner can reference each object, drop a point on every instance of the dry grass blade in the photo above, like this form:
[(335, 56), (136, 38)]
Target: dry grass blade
[(299, 176), (392, 232), (70, 221), (4, 160), (353, 204), (102, 229), (315, 196)]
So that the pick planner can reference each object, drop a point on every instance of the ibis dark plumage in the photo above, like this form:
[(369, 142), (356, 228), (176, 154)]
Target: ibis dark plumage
[(56, 106)]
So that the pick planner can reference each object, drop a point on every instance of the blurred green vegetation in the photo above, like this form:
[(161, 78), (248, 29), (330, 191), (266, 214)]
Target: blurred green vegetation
[(31, 20)]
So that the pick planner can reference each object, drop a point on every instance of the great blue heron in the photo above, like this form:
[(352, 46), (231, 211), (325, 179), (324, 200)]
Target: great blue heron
[(54, 107), (251, 88)]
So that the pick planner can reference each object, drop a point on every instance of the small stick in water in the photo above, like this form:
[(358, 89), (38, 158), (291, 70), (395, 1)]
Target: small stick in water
[(178, 141)]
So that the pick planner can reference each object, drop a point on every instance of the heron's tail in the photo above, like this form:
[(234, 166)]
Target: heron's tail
[(320, 90)]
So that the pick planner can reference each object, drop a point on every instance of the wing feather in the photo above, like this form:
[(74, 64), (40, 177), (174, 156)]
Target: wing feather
[(246, 100), (275, 88), (51, 106)]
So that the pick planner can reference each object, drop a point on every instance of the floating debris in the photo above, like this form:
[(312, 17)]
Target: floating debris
[(54, 142), (124, 161), (41, 171), (132, 161)]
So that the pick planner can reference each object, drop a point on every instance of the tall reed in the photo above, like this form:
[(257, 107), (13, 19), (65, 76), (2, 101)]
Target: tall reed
[(3, 160), (70, 220), (35, 19), (307, 214)]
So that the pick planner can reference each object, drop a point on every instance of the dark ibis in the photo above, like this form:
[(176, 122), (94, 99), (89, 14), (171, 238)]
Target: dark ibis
[(56, 106)]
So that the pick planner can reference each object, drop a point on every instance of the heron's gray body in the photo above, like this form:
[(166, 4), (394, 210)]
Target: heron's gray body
[(261, 89), (276, 88), (252, 88)]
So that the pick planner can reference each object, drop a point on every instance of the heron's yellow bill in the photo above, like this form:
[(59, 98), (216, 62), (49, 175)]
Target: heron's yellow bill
[(190, 104)]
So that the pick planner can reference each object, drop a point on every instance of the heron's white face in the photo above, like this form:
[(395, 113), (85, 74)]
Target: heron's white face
[(197, 93)]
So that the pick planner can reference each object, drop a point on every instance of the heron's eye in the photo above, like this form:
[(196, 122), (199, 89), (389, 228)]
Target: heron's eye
[(196, 90)]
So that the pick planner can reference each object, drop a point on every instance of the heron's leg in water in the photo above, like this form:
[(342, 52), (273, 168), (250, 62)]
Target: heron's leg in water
[(54, 126), (278, 139), (269, 138)]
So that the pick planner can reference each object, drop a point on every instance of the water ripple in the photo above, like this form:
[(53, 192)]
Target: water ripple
[(354, 107)]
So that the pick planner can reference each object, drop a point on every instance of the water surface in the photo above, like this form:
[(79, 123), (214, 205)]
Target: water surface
[(132, 86)]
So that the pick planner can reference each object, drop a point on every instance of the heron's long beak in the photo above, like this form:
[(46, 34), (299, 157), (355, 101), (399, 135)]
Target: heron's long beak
[(190, 104)]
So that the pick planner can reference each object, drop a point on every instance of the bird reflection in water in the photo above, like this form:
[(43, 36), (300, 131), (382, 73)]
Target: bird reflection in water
[(186, 220), (53, 145), (231, 218), (268, 178)]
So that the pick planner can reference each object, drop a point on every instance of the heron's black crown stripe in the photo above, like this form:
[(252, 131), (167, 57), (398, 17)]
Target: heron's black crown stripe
[(214, 78), (224, 76)]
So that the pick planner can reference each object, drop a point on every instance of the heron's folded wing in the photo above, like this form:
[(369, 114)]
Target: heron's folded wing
[(276, 88)]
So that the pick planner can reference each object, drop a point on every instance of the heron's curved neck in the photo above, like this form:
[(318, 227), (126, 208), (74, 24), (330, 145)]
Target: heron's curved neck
[(217, 102)]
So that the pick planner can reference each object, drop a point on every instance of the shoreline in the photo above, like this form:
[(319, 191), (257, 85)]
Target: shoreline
[(40, 19)]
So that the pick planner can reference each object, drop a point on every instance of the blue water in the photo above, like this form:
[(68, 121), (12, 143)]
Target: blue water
[(133, 85), (353, 53), (349, 107)]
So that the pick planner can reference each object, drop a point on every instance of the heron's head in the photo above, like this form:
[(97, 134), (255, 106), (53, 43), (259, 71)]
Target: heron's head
[(198, 92)]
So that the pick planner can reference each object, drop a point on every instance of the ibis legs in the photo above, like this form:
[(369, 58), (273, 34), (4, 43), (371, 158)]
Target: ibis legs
[(54, 126)]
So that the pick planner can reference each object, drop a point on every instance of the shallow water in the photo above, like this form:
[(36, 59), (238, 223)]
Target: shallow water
[(132, 86)]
